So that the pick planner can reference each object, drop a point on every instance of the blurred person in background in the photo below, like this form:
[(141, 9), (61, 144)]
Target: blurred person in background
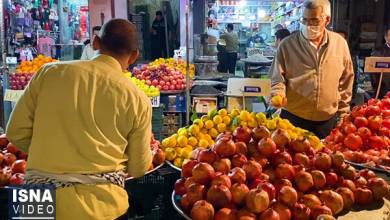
[(280, 35), (158, 39), (88, 51), (231, 39)]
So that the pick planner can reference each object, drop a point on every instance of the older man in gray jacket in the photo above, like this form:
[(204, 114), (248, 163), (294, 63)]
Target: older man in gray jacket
[(313, 73)]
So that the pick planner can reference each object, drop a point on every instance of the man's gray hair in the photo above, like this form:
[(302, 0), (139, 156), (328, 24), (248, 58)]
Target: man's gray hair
[(324, 4)]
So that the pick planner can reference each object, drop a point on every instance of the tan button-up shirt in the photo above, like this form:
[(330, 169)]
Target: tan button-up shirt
[(84, 117), (316, 87)]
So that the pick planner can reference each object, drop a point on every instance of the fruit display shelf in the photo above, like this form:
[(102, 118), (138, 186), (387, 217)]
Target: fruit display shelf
[(171, 92)]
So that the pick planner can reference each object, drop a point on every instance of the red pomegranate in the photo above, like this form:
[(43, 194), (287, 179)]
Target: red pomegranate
[(337, 159), (331, 179), (239, 160), (269, 188), (301, 212), (237, 175), (260, 132), (310, 200), (179, 186), (219, 196), (363, 196), (300, 144), (322, 161), (239, 192), (221, 179), (379, 187), (241, 148), (186, 169), (226, 214), (225, 147), (320, 210), (257, 201), (269, 214), (202, 210), (266, 147), (222, 165), (283, 211), (288, 195), (348, 197), (285, 171), (301, 159), (333, 200), (280, 137), (203, 173), (319, 179), (304, 181), (207, 156), (281, 157), (252, 169), (242, 134)]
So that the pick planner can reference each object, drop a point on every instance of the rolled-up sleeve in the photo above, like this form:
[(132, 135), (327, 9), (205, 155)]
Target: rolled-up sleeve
[(138, 149), (277, 73), (345, 86), (20, 125)]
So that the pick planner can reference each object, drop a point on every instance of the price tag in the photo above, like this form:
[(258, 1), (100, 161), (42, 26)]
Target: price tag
[(377, 65), (12, 95), (11, 60), (155, 101)]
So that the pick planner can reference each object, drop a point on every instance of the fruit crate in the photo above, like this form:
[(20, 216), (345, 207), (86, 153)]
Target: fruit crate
[(151, 191), (173, 119), (3, 203), (168, 130), (158, 113)]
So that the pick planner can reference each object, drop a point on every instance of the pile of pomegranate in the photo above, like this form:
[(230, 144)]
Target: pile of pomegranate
[(363, 136), (158, 154), (12, 163), (259, 174)]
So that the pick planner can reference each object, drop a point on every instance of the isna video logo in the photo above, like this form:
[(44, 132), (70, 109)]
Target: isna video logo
[(32, 202)]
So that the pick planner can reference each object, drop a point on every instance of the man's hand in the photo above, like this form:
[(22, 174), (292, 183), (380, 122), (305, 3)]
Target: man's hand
[(278, 101)]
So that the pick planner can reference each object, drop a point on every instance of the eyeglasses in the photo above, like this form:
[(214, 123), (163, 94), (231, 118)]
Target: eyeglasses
[(312, 21)]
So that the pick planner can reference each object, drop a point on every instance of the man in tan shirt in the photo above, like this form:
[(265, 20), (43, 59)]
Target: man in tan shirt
[(85, 125), (313, 73)]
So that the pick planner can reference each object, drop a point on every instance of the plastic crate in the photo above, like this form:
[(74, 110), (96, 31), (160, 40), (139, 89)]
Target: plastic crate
[(158, 113), (153, 215), (151, 191), (172, 119), (3, 204)]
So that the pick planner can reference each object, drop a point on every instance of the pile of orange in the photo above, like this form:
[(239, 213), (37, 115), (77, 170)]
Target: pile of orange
[(34, 65)]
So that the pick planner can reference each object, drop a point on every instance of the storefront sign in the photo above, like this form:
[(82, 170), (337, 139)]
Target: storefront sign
[(12, 95)]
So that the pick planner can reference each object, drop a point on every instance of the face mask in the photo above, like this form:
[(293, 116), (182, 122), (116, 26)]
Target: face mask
[(311, 32)]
